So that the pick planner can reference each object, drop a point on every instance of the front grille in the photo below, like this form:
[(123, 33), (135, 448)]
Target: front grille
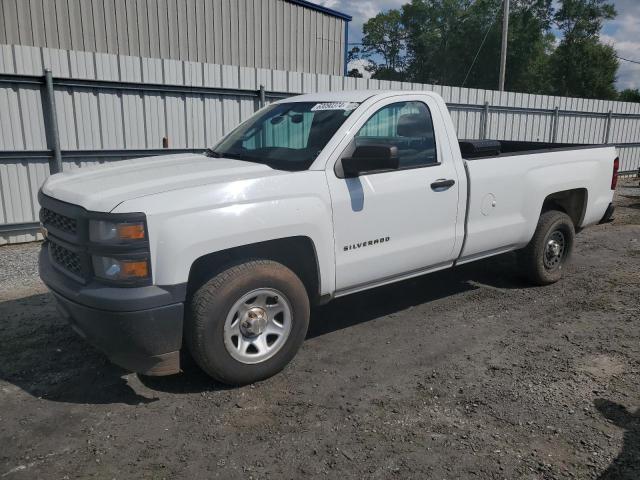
[(66, 259), (58, 221)]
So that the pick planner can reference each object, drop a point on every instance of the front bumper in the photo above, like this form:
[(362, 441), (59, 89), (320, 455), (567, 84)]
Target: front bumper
[(138, 328)]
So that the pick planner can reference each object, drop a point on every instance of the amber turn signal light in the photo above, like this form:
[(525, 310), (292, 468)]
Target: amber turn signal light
[(112, 232), (122, 269), (135, 269), (131, 231)]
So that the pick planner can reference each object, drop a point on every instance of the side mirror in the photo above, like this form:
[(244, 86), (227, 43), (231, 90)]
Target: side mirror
[(371, 159)]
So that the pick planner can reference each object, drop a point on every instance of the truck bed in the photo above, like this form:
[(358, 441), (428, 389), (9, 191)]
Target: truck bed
[(506, 195), (480, 149)]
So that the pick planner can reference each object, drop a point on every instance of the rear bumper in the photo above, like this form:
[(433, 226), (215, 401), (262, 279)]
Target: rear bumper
[(608, 214), (116, 322)]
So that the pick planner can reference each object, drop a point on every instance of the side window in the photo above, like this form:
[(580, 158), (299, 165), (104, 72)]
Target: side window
[(406, 125)]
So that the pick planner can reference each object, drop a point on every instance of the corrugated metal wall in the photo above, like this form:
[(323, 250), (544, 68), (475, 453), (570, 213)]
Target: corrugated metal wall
[(117, 119), (274, 34)]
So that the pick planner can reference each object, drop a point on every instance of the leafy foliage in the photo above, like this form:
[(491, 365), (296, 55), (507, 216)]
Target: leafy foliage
[(457, 42), (630, 95), (584, 68), (582, 19), (353, 55), (384, 35), (581, 66)]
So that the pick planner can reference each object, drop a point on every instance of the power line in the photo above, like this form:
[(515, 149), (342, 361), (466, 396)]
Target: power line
[(503, 47), (480, 48), (627, 60)]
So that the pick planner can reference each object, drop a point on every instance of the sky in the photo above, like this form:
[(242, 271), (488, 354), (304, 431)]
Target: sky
[(623, 33)]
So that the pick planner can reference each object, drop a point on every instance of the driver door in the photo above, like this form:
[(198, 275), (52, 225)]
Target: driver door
[(394, 223)]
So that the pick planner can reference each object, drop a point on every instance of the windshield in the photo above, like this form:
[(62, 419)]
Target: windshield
[(285, 136)]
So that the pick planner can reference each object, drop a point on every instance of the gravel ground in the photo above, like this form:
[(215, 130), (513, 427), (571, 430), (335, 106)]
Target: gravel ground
[(19, 272), (468, 373)]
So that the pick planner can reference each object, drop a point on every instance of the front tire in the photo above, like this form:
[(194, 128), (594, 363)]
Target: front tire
[(248, 322), (544, 258)]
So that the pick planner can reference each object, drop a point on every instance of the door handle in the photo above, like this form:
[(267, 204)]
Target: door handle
[(442, 184)]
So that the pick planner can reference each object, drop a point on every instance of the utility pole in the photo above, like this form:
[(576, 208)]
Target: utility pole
[(503, 50)]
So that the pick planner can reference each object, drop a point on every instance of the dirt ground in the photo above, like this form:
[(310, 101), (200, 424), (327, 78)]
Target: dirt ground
[(468, 373)]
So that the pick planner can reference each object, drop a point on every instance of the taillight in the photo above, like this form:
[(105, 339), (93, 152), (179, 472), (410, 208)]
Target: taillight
[(614, 177)]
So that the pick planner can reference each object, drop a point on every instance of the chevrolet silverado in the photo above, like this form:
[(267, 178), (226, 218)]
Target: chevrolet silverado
[(314, 197)]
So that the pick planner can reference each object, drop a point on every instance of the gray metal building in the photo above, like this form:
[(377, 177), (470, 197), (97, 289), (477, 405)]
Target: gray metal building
[(292, 35)]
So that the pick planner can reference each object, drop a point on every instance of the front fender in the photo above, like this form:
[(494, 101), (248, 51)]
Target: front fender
[(185, 225)]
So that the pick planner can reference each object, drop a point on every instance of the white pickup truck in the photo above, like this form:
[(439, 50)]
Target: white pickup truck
[(314, 197)]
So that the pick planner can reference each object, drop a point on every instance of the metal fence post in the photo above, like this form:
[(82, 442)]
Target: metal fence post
[(608, 129), (554, 125), (51, 124), (485, 121), (263, 96)]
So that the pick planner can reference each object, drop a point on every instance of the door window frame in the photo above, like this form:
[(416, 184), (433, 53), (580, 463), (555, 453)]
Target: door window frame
[(375, 108)]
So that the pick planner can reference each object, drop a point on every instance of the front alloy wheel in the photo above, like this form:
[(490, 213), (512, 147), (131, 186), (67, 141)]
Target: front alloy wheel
[(257, 326), (247, 322)]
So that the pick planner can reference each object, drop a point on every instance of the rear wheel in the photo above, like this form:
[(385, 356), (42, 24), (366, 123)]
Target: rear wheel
[(544, 258), (248, 322)]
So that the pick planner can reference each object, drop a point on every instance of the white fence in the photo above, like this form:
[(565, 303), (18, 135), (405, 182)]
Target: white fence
[(110, 107)]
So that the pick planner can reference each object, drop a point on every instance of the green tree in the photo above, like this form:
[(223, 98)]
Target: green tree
[(530, 43), (582, 66), (384, 38), (432, 30), (582, 19), (629, 95), (353, 54), (456, 42)]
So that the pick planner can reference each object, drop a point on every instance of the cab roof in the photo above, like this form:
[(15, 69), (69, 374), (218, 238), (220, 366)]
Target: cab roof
[(350, 95)]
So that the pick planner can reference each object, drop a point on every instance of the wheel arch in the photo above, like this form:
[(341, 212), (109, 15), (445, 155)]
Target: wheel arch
[(572, 202), (297, 253)]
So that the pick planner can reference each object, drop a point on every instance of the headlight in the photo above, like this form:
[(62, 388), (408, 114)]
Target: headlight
[(121, 269), (103, 231)]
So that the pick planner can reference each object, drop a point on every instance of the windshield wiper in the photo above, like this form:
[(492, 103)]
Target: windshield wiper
[(235, 156), (210, 152)]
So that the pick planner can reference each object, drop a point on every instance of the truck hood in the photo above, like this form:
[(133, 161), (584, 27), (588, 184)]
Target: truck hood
[(103, 187)]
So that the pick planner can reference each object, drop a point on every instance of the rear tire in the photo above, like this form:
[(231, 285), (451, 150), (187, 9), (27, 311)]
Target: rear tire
[(247, 322), (543, 260)]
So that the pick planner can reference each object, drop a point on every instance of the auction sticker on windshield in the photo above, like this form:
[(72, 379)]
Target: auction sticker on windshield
[(334, 106)]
